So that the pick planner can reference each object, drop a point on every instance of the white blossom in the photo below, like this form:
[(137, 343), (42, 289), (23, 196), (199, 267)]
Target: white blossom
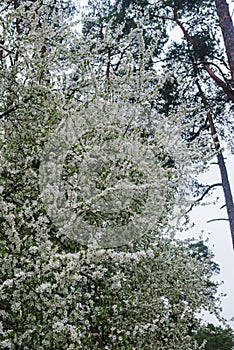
[(90, 201)]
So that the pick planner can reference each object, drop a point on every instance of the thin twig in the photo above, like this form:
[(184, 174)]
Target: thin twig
[(220, 219)]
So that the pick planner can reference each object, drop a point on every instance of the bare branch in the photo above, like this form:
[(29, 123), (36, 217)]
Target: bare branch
[(220, 219), (203, 195)]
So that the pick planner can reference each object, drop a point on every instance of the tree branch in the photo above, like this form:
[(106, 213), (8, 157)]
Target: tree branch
[(220, 219), (203, 195), (198, 132), (14, 108), (228, 91), (221, 72)]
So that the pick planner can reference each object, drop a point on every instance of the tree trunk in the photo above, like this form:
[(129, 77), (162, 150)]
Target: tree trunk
[(225, 22), (227, 193), (221, 163)]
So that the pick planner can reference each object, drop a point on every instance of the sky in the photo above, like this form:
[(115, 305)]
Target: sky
[(217, 232)]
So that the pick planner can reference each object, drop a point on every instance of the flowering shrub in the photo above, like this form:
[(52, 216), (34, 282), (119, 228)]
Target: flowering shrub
[(92, 182)]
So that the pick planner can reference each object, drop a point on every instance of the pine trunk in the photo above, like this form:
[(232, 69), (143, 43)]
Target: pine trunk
[(225, 22), (221, 163)]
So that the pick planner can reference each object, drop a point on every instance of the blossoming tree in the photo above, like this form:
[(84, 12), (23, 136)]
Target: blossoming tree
[(93, 183)]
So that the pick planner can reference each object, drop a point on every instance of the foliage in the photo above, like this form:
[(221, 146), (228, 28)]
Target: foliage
[(216, 337)]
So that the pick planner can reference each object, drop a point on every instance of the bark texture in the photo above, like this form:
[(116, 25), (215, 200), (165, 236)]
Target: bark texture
[(226, 25)]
